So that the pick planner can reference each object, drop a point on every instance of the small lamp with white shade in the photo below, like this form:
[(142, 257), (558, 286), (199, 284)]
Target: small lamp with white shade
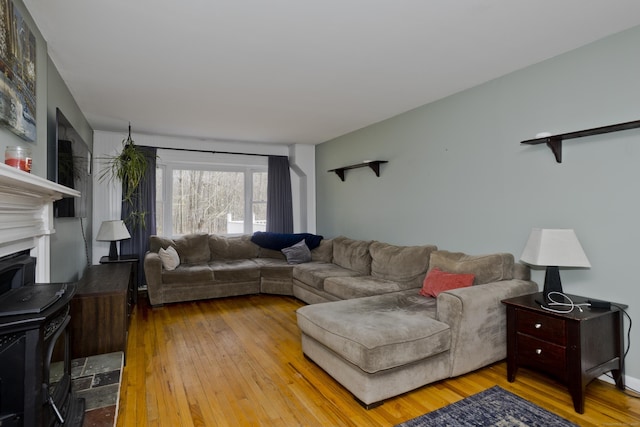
[(553, 248), (113, 231)]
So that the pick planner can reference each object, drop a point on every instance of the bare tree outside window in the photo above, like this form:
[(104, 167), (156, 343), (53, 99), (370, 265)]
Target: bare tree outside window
[(210, 201), (204, 201)]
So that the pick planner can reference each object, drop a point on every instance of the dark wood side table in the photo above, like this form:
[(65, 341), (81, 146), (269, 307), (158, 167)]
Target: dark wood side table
[(100, 310), (574, 347), (134, 260)]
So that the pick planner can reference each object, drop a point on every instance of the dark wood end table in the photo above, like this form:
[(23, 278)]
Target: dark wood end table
[(101, 310), (134, 260), (574, 347)]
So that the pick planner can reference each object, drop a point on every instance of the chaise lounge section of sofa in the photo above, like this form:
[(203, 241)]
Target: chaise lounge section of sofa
[(381, 346)]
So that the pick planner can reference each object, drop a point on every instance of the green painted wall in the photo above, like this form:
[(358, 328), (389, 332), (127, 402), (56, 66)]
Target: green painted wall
[(458, 177)]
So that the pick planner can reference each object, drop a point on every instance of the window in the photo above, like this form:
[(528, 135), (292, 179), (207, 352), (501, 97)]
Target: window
[(212, 199)]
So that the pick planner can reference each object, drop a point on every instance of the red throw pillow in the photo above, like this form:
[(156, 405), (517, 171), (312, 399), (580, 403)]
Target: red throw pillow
[(438, 281)]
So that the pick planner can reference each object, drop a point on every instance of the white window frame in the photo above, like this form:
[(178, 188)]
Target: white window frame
[(179, 160)]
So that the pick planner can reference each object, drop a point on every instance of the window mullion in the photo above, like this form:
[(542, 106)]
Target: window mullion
[(167, 192), (248, 201)]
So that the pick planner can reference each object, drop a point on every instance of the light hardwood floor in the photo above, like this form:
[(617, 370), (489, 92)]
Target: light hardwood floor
[(238, 361)]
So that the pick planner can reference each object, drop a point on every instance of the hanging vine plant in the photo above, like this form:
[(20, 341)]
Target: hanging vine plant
[(129, 168)]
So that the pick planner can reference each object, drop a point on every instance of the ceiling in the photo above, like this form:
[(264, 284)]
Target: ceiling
[(297, 71)]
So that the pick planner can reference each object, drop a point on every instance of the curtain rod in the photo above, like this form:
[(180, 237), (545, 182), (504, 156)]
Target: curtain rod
[(220, 152)]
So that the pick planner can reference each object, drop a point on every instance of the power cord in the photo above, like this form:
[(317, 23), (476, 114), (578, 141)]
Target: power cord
[(570, 305), (636, 394), (86, 244)]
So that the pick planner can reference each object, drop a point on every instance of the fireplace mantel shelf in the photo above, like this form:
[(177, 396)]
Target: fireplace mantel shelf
[(26, 215), (32, 184)]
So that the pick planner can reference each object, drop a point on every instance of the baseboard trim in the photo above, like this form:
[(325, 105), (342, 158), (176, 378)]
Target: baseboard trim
[(630, 382)]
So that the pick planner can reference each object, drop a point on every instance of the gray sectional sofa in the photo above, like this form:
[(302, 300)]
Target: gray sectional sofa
[(213, 266), (366, 323)]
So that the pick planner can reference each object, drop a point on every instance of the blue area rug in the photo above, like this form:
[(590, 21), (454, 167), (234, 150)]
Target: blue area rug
[(492, 407)]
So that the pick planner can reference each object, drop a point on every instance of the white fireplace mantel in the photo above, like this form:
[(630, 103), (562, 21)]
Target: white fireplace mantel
[(26, 215)]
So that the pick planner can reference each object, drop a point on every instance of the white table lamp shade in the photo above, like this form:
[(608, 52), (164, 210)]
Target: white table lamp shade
[(554, 247), (112, 230)]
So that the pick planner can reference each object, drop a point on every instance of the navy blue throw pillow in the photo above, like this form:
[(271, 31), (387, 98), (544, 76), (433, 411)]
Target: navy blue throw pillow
[(279, 241)]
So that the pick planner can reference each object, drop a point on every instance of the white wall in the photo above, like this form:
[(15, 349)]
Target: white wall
[(303, 184), (107, 195), (458, 176)]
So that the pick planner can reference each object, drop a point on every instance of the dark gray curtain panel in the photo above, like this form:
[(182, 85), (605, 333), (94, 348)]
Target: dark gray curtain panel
[(279, 202), (144, 200)]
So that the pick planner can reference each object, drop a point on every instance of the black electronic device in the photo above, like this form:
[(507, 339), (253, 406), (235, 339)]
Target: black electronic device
[(594, 303)]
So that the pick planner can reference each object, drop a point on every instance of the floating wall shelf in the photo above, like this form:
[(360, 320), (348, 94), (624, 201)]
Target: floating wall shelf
[(373, 164), (555, 141)]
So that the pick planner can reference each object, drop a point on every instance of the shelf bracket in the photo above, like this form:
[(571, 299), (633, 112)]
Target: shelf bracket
[(556, 147), (375, 167)]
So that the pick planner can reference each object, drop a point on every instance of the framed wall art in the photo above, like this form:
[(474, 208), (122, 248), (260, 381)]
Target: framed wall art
[(17, 73)]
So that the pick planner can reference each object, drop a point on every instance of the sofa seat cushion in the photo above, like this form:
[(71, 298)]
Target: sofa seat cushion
[(188, 274), (274, 268), (314, 273), (379, 332), (235, 270), (361, 286), (273, 262)]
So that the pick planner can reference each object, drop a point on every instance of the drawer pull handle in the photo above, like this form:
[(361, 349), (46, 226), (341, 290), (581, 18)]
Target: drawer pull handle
[(538, 351), (538, 325)]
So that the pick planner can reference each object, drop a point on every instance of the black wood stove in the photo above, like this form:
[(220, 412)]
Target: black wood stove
[(34, 332)]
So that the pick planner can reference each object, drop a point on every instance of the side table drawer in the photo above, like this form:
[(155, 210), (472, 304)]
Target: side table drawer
[(540, 326), (542, 355)]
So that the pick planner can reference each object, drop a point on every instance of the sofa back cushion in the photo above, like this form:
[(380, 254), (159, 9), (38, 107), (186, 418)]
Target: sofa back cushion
[(486, 268), (158, 242), (352, 254), (270, 253), (193, 248), (234, 247), (324, 251), (404, 264)]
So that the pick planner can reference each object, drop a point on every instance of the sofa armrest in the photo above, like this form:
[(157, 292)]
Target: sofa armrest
[(153, 274), (478, 322)]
